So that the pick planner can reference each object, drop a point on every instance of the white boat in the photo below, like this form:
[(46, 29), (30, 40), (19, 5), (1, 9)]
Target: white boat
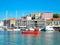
[(16, 29), (40, 29), (4, 28), (31, 29), (1, 29), (49, 28)]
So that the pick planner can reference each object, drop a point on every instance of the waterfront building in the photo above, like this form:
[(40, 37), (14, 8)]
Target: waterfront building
[(29, 18), (18, 22), (22, 22), (48, 22), (26, 18), (40, 23), (28, 22), (10, 22), (55, 22), (47, 15), (35, 15)]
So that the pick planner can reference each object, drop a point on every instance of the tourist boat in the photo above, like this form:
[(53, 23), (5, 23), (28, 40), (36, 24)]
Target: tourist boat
[(31, 32), (49, 28)]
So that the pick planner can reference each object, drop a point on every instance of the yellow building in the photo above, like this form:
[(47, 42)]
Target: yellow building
[(35, 15), (10, 22)]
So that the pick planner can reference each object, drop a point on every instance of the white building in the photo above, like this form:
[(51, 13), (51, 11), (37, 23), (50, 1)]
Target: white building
[(47, 15), (35, 15), (28, 18), (1, 23)]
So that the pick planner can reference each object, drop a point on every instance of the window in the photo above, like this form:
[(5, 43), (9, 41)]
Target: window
[(17, 20), (33, 18), (56, 22), (59, 22), (35, 21)]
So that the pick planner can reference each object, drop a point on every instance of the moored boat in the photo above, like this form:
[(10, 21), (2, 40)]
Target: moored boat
[(31, 32), (16, 29), (49, 28)]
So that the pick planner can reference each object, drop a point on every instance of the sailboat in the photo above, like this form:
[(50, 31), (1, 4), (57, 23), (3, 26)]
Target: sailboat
[(5, 27), (16, 29)]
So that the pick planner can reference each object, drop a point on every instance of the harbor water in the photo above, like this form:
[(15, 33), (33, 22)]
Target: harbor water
[(16, 38)]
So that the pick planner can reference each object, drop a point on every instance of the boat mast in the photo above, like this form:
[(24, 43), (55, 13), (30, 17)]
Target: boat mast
[(16, 14), (6, 17), (16, 19), (6, 14)]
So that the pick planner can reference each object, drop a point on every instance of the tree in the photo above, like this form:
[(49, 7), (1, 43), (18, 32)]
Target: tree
[(55, 16)]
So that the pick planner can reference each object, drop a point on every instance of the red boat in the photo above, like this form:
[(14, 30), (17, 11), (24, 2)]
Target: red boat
[(31, 32)]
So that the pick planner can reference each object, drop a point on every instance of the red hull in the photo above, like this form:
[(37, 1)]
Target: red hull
[(30, 32)]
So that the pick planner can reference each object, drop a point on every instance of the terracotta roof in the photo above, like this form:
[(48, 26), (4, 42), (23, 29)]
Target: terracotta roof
[(56, 19), (12, 19), (49, 20)]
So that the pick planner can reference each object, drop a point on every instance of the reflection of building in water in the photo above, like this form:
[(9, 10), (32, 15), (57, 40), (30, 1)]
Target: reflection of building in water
[(32, 39), (48, 38)]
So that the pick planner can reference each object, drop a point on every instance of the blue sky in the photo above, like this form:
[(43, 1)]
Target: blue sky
[(27, 6)]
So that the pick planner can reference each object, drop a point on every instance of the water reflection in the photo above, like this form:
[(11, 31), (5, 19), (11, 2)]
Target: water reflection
[(16, 38), (11, 38), (48, 38), (30, 39), (1, 38)]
